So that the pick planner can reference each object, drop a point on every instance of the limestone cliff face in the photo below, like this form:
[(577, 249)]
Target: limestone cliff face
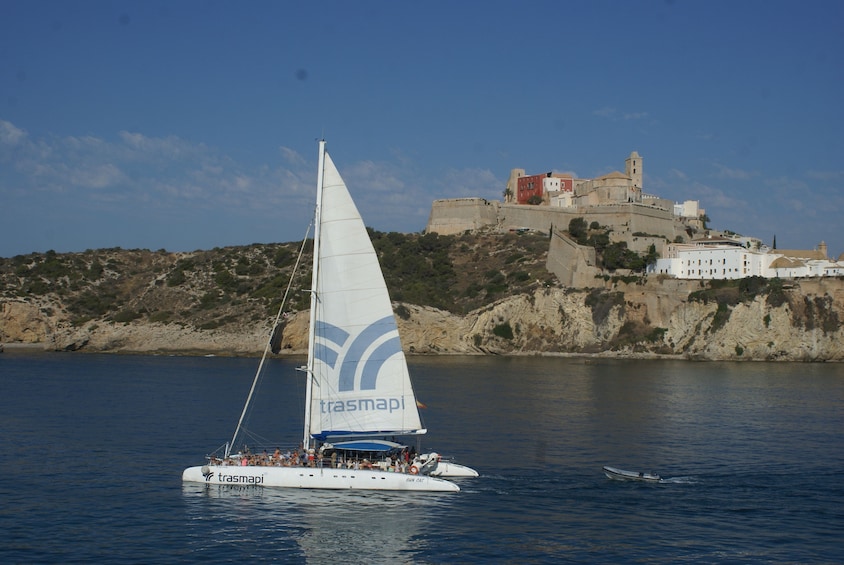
[(804, 327), (547, 321), (23, 322), (558, 322), (43, 323), (754, 331), (801, 323)]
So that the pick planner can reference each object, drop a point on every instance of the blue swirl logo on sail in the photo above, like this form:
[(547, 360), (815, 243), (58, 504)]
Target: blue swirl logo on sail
[(353, 356)]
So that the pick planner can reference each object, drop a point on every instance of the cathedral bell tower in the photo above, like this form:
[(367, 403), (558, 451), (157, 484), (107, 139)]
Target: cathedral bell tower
[(633, 169)]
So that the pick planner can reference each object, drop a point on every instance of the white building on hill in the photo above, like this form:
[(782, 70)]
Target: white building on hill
[(722, 258)]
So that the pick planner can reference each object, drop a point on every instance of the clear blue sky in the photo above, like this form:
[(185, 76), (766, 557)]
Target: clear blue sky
[(190, 124)]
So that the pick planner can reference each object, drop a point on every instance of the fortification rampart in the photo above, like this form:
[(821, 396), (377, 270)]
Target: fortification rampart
[(574, 265), (456, 215), (638, 225)]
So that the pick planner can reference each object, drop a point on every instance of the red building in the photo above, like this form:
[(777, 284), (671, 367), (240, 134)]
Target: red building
[(540, 185), (529, 186)]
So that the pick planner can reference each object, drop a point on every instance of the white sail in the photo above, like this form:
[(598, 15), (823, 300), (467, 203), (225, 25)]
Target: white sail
[(360, 381)]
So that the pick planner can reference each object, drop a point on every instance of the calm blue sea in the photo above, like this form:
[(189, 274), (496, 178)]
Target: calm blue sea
[(94, 446)]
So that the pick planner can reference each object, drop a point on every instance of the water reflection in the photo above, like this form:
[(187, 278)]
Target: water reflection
[(316, 525)]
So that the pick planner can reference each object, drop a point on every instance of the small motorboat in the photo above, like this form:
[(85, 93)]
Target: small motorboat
[(622, 475)]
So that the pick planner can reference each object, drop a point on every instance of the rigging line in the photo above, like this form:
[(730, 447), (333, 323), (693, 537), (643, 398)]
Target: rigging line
[(256, 437), (268, 346)]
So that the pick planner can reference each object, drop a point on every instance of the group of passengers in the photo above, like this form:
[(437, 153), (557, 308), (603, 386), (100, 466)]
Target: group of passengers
[(397, 462)]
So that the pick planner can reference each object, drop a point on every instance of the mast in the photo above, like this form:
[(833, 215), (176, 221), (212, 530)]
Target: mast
[(314, 298)]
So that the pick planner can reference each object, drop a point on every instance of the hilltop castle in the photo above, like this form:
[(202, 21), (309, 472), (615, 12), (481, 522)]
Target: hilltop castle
[(547, 202), (562, 190)]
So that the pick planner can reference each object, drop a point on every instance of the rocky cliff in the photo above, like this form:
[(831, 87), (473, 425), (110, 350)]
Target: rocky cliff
[(470, 294), (801, 323)]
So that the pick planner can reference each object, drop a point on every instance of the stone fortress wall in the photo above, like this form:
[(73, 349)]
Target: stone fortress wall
[(457, 215), (614, 200), (567, 260)]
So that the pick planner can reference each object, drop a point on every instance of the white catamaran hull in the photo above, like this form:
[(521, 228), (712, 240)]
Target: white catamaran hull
[(316, 478), (447, 469)]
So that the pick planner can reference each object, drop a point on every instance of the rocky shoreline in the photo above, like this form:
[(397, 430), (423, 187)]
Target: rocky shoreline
[(631, 321)]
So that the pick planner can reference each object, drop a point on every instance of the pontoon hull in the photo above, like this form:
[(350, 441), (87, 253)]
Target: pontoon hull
[(314, 478), (447, 469)]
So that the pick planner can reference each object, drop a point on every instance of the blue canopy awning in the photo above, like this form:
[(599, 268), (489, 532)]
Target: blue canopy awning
[(367, 445)]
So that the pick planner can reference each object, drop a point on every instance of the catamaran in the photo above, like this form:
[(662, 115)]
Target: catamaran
[(359, 400)]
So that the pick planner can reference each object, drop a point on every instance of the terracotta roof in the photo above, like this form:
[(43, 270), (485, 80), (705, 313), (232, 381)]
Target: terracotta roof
[(614, 175), (800, 253), (786, 263)]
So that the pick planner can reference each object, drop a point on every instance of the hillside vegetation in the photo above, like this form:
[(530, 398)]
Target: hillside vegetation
[(472, 293), (236, 285)]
